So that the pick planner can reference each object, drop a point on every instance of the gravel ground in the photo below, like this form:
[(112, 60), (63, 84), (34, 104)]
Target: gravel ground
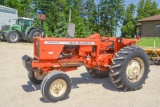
[(17, 91)]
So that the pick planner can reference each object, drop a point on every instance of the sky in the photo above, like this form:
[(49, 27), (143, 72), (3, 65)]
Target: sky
[(136, 2), (127, 2)]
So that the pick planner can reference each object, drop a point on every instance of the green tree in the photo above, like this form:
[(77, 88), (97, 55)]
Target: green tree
[(90, 16), (78, 17), (111, 15), (56, 21), (140, 9), (23, 6), (60, 18), (41, 5), (154, 9), (13, 4), (147, 8), (61, 26), (1, 2), (129, 22), (26, 9)]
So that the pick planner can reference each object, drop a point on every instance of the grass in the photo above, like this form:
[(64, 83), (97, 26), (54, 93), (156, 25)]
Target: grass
[(149, 42)]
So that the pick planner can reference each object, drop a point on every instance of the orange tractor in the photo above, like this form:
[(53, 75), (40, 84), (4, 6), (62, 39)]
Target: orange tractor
[(126, 64)]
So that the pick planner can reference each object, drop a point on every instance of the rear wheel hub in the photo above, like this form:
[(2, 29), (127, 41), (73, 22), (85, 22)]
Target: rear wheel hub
[(135, 70)]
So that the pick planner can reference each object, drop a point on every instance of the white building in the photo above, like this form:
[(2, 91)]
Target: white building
[(6, 14)]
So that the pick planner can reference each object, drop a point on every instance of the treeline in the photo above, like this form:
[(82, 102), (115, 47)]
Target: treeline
[(90, 16), (143, 9)]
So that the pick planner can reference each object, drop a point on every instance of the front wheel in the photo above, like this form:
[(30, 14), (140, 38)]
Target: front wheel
[(12, 37), (56, 86), (36, 76), (130, 68)]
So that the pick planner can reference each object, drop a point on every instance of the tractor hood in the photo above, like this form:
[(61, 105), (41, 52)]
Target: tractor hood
[(5, 27), (15, 26)]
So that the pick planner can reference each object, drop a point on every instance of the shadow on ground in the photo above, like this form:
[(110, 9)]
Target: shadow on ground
[(42, 99), (87, 79), (84, 79), (29, 87)]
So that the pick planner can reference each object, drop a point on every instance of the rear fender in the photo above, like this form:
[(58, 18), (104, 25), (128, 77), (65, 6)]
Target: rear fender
[(28, 30)]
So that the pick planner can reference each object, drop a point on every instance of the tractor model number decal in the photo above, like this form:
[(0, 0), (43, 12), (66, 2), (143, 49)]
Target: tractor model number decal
[(68, 43)]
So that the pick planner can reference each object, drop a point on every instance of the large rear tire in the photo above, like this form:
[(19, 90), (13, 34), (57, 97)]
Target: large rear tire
[(56, 86), (130, 68), (97, 73), (32, 34)]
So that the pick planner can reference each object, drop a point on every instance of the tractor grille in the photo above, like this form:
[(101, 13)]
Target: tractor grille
[(37, 48), (5, 27)]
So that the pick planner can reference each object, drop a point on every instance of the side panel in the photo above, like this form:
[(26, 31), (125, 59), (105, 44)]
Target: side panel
[(83, 50), (16, 27), (45, 51)]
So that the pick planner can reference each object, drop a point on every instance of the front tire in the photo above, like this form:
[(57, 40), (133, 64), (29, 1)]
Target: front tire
[(32, 34), (130, 68), (56, 86), (12, 37), (33, 78), (34, 75)]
